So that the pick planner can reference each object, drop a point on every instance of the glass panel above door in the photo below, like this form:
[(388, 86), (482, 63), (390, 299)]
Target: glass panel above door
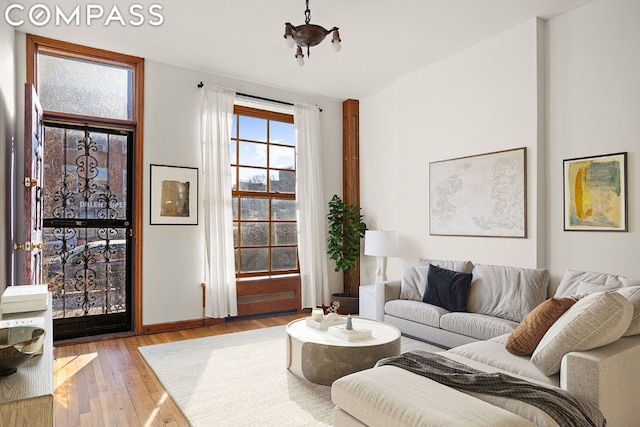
[(68, 85)]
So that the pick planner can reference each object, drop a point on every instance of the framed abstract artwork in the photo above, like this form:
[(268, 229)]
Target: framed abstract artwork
[(482, 195), (174, 195), (595, 193)]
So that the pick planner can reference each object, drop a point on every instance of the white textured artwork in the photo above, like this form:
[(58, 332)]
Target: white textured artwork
[(483, 195)]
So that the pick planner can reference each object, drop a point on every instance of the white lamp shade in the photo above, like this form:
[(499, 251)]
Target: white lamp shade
[(381, 243)]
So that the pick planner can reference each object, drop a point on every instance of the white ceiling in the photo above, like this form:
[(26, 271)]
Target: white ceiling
[(381, 39)]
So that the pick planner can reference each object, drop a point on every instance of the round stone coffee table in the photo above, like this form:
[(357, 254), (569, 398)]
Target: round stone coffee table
[(322, 358)]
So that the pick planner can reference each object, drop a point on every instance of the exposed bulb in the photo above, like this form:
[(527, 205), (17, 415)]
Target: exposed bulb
[(288, 35), (289, 41), (299, 57), (335, 41)]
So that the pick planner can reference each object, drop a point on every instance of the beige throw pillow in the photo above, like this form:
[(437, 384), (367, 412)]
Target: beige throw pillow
[(525, 338), (597, 319)]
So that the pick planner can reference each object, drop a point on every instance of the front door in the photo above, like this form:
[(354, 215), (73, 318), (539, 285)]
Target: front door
[(87, 228), (31, 243)]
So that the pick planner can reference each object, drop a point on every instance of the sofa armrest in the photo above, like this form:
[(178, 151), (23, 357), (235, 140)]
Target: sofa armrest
[(386, 291), (608, 376)]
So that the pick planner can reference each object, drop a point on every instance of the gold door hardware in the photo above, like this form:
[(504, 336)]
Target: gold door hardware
[(31, 182), (27, 246)]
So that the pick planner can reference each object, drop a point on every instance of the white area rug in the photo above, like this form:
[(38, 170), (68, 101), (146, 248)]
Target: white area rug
[(240, 379)]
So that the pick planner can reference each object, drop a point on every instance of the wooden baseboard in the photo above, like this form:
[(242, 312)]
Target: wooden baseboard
[(176, 326)]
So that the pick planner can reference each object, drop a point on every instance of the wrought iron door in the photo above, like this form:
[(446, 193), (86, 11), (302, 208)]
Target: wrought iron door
[(87, 228)]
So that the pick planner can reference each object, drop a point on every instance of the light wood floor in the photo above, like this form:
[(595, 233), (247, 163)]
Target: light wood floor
[(108, 383)]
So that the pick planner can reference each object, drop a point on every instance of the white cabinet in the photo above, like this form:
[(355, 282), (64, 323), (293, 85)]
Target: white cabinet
[(26, 397), (367, 307)]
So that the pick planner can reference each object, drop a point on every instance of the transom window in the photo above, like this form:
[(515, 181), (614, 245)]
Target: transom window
[(263, 172), (85, 87)]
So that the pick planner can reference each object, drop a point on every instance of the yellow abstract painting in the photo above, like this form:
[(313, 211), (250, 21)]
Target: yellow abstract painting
[(595, 193)]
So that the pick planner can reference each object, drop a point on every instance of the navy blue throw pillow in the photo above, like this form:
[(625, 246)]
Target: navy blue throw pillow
[(447, 289)]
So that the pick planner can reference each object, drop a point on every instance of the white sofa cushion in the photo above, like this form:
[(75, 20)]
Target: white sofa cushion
[(632, 293), (507, 292), (414, 279), (392, 396), (572, 279), (492, 352), (415, 311), (598, 319), (585, 287), (475, 325)]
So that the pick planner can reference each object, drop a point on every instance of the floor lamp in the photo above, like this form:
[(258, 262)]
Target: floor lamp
[(381, 244)]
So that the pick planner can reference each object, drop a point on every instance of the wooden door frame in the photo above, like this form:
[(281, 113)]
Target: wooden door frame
[(34, 43)]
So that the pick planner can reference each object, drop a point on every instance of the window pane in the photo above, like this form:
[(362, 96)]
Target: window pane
[(284, 233), (253, 260), (254, 234), (284, 259), (83, 87), (253, 179), (234, 126), (283, 209), (234, 207), (253, 154), (282, 182), (235, 235), (85, 175), (254, 208), (282, 133), (253, 128), (232, 152), (282, 157), (234, 177)]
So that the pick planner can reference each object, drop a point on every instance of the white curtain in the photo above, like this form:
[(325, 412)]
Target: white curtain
[(312, 240), (217, 114)]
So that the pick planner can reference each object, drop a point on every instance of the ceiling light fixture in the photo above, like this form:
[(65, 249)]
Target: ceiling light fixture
[(308, 35)]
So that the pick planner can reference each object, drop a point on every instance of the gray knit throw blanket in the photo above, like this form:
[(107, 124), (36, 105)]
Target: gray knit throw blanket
[(565, 409)]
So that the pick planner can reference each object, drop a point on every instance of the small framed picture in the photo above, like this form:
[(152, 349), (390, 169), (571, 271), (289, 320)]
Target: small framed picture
[(174, 195), (595, 193)]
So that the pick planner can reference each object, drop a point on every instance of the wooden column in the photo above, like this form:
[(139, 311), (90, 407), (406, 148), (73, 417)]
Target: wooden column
[(351, 167)]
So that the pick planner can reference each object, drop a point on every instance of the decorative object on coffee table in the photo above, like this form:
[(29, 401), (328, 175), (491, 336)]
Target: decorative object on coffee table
[(348, 332), (325, 321)]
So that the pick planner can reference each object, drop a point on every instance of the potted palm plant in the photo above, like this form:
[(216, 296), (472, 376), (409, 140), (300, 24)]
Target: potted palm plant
[(346, 229)]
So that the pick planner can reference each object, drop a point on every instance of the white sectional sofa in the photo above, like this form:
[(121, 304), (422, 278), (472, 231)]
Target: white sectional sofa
[(499, 298), (592, 351)]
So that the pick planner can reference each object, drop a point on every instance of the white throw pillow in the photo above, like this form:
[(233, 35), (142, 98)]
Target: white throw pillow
[(507, 292), (588, 287), (414, 280), (569, 283), (597, 319), (632, 293)]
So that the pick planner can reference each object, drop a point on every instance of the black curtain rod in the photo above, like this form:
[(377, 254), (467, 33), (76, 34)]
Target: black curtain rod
[(246, 95)]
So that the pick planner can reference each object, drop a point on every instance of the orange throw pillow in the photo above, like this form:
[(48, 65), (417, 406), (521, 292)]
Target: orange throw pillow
[(524, 338)]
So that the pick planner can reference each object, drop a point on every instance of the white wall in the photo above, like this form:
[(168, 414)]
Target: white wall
[(173, 263), (593, 68), (173, 255), (493, 96), (482, 99), (7, 141)]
